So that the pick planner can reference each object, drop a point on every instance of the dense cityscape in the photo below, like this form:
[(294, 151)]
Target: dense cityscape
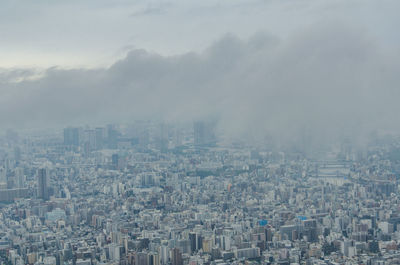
[(187, 132), (165, 194)]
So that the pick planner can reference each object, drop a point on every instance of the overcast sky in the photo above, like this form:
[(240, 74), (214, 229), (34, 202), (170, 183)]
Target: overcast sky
[(276, 67), (97, 32)]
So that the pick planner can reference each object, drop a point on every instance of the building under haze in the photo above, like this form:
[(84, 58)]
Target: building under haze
[(71, 136), (204, 133), (42, 189)]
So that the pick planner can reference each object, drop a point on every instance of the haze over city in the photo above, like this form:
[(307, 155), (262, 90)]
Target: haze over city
[(213, 132), (259, 67)]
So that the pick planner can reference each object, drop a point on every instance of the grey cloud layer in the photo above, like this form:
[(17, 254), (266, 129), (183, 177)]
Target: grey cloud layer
[(80, 33), (327, 80)]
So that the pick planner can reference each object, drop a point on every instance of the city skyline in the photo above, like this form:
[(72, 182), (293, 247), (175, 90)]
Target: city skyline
[(186, 132), (329, 69)]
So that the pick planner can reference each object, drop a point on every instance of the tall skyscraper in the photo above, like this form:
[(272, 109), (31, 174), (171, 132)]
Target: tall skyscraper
[(193, 243), (176, 257), (141, 258), (71, 136), (162, 138), (100, 137), (20, 178), (42, 190), (90, 139), (112, 136), (177, 136), (153, 258), (204, 133), (114, 160)]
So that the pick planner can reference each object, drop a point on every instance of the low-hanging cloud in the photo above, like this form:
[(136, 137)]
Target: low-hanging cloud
[(326, 80)]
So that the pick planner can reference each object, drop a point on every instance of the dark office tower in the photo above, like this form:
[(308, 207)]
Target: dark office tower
[(192, 239), (114, 160), (196, 241), (176, 256), (268, 234), (71, 136), (153, 259), (43, 190), (204, 133), (215, 253), (199, 241), (310, 230)]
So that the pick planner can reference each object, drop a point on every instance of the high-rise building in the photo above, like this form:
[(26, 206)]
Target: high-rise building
[(196, 241), (204, 133), (177, 137), (71, 136), (162, 138), (139, 133), (90, 139), (153, 259), (112, 136), (114, 252), (3, 176), (141, 258), (114, 160), (20, 178), (176, 257), (100, 137), (42, 190), (17, 153), (164, 254)]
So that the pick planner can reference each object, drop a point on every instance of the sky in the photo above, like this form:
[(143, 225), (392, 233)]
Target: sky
[(261, 67), (92, 33)]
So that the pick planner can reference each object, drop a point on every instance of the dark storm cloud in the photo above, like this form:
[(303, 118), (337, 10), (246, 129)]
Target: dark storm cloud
[(327, 80)]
